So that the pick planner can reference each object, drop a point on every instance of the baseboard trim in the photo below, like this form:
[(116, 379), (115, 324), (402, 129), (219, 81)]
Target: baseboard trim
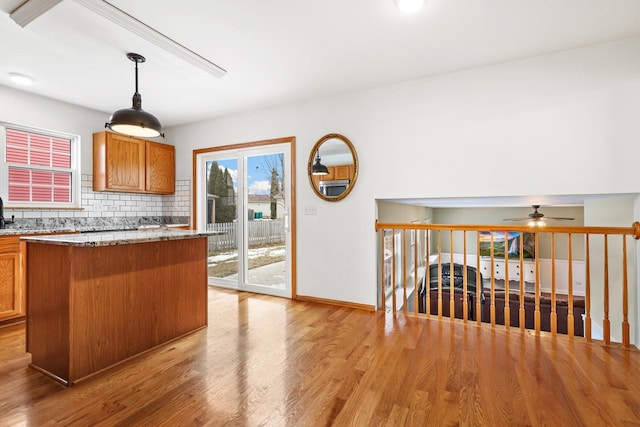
[(335, 302)]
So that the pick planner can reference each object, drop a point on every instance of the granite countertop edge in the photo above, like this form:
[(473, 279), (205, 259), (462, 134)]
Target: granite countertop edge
[(95, 229), (110, 238)]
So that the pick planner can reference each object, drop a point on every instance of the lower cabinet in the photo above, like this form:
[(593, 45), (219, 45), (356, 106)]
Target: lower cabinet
[(12, 295), (546, 268), (513, 267)]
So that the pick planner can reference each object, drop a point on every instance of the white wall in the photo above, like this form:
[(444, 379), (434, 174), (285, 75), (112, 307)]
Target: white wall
[(565, 123), (612, 212), (25, 109)]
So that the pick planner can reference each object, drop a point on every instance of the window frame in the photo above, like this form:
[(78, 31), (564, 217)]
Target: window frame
[(75, 170)]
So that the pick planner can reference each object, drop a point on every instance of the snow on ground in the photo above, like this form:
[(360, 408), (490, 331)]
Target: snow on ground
[(253, 253)]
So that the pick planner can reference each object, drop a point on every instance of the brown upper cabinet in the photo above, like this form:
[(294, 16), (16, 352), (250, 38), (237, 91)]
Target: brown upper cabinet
[(127, 164), (335, 172), (343, 172)]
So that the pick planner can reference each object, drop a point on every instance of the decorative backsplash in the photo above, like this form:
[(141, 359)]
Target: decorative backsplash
[(110, 210)]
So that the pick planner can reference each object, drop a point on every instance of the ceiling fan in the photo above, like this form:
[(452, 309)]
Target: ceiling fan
[(537, 218)]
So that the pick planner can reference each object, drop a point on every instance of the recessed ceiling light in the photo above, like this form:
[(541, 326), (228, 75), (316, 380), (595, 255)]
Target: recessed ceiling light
[(409, 6), (21, 79)]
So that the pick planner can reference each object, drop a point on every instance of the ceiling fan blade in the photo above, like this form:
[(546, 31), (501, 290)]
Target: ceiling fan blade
[(559, 218), (516, 219)]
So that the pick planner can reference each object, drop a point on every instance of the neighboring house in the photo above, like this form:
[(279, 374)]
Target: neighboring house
[(260, 204)]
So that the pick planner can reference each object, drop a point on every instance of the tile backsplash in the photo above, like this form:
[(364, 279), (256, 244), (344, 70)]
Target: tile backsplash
[(110, 210)]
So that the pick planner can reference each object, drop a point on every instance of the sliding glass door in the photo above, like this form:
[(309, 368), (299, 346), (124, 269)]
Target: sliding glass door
[(244, 198)]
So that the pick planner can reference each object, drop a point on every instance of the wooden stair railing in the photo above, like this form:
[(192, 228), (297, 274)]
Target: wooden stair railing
[(388, 260)]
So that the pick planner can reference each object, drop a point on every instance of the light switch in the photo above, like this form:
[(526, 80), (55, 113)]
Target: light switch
[(310, 210)]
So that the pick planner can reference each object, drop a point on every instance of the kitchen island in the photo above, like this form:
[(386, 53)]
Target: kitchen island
[(96, 299)]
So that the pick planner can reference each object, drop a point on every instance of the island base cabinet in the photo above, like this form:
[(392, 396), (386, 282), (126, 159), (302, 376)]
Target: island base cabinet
[(89, 308)]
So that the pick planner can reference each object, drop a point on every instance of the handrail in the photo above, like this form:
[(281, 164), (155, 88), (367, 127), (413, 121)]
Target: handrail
[(410, 260), (634, 230)]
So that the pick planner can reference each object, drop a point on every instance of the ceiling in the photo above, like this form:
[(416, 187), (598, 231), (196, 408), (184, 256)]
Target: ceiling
[(283, 51), (564, 200)]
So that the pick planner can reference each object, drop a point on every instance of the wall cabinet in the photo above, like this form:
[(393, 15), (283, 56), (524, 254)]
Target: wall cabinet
[(343, 172), (160, 168), (127, 164), (12, 296), (335, 173)]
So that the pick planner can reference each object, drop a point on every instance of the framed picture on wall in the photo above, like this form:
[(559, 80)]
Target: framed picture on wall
[(511, 239)]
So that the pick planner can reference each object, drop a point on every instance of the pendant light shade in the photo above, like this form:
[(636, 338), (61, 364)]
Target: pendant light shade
[(318, 168), (135, 121)]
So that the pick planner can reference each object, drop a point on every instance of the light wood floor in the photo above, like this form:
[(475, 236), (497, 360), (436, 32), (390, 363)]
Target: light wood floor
[(273, 362)]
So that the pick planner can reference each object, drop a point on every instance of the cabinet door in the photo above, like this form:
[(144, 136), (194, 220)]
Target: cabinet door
[(342, 172), (485, 269), (118, 163), (498, 270), (331, 176), (514, 270), (160, 168), (530, 271), (11, 296)]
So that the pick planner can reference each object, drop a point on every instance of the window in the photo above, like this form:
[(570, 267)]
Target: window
[(39, 169)]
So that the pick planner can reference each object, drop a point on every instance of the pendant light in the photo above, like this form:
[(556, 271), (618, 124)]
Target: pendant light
[(318, 168), (135, 121)]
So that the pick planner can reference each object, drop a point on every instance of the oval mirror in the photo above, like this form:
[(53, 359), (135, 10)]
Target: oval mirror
[(333, 167)]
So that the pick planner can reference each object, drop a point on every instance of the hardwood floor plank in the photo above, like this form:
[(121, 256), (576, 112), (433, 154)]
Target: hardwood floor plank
[(265, 361)]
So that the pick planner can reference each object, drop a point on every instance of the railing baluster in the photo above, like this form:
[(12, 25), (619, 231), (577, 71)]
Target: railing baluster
[(587, 290), (606, 326), (452, 304), (383, 279), (465, 298), (479, 284), (554, 314), (536, 308), (570, 325), (427, 276), (415, 271), (522, 313), (492, 305), (393, 269), (404, 271), (439, 275), (625, 295), (507, 308)]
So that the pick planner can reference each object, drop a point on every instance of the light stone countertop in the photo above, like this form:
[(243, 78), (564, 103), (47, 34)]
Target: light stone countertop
[(27, 231), (13, 231), (109, 238)]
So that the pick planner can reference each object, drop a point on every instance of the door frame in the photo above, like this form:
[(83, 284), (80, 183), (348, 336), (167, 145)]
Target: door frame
[(291, 140)]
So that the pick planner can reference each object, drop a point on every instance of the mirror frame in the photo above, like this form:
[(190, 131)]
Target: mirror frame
[(355, 166)]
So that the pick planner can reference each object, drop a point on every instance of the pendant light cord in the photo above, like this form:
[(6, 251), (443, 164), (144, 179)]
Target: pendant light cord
[(137, 99)]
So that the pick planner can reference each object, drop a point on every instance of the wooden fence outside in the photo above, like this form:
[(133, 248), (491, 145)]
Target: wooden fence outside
[(262, 232)]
